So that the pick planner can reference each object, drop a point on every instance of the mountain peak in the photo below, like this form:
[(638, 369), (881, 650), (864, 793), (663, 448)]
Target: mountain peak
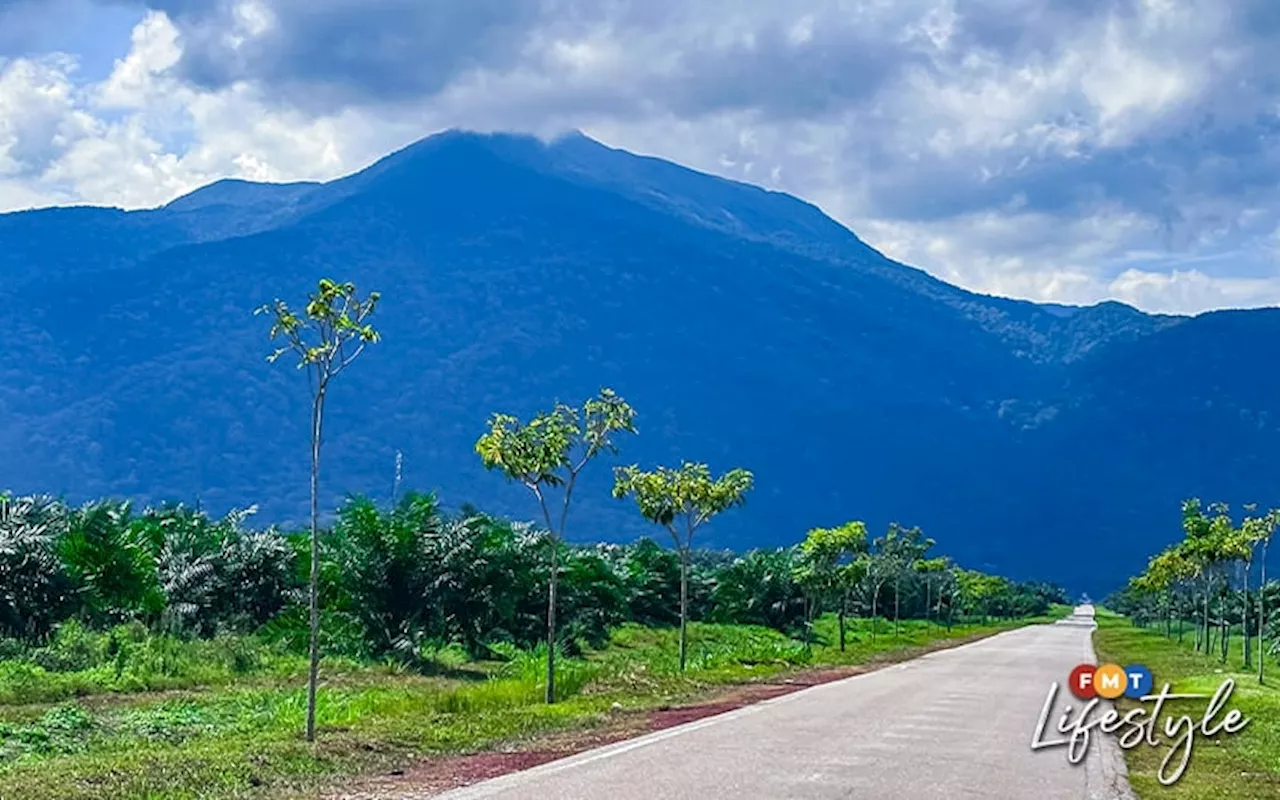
[(746, 326), (238, 192)]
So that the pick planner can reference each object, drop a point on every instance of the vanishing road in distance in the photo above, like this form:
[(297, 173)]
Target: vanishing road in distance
[(953, 724)]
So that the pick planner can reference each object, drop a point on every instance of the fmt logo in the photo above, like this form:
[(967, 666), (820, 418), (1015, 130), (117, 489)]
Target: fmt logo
[(1110, 681)]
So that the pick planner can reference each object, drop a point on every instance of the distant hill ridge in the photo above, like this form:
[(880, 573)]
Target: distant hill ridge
[(747, 327)]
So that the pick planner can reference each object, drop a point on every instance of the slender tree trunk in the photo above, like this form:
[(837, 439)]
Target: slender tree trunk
[(553, 581), (313, 589), (1168, 613), (928, 598), (1221, 627), (1192, 602), (1262, 613), (897, 590), (684, 603), (551, 619), (844, 602), (1224, 638), (810, 611), (1178, 610), (1207, 644), (1244, 618), (875, 594)]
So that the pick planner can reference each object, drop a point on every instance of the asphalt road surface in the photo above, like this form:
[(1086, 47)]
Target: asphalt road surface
[(953, 724)]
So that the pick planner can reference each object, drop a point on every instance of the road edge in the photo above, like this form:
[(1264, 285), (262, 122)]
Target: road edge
[(1106, 772), (404, 785)]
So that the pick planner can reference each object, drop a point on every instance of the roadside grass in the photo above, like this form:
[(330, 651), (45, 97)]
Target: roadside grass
[(212, 732), (865, 642), (130, 659), (1243, 766)]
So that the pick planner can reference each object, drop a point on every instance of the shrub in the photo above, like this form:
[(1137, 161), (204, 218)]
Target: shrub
[(35, 589)]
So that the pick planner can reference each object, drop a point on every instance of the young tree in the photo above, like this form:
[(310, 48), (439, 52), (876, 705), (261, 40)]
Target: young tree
[(931, 569), (948, 586), (831, 564), (879, 569), (1199, 546), (1259, 530), (550, 451), (981, 592), (899, 550), (1239, 546), (1219, 550), (681, 500), (331, 331), (1164, 573)]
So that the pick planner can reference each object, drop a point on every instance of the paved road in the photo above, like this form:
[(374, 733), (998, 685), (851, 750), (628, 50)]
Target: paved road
[(953, 724)]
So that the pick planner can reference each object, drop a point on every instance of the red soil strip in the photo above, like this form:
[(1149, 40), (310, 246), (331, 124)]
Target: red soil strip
[(440, 774), (751, 693)]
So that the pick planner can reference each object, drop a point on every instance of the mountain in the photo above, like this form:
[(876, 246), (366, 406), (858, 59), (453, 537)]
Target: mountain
[(746, 327)]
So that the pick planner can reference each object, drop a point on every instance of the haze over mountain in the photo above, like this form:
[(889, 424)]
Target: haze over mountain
[(745, 326)]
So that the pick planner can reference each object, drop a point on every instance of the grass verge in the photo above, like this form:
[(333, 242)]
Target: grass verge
[(1243, 766), (240, 739)]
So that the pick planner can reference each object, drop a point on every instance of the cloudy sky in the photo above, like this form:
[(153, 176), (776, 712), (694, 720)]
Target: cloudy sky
[(1065, 150)]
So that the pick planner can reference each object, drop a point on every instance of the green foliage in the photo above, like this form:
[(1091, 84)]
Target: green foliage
[(759, 589), (552, 447), (330, 333), (1206, 578), (551, 450), (688, 494), (326, 340), (831, 560), (167, 597), (61, 730), (111, 562), (681, 500), (382, 560), (216, 574), (35, 589), (650, 577), (128, 658)]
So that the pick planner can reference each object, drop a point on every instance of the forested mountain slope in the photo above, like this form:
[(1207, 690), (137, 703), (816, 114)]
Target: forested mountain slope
[(745, 326)]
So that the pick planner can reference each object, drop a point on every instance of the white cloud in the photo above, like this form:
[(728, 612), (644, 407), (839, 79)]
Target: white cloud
[(39, 113), (136, 81), (141, 137), (1056, 151), (1191, 291)]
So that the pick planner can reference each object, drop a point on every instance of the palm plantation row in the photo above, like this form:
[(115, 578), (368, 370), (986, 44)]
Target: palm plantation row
[(404, 581), (1203, 585)]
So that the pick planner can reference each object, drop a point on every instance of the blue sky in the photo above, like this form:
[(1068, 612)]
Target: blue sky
[(1058, 150)]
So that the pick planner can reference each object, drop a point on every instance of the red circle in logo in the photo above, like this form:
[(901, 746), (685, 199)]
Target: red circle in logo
[(1081, 682)]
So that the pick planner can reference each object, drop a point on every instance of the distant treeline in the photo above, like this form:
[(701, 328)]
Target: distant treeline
[(411, 578)]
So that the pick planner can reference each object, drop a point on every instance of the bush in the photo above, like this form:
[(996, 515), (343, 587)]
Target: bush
[(61, 730), (530, 668), (35, 589), (73, 647)]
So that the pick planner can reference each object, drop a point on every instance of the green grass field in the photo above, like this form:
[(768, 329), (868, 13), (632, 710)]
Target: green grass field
[(1243, 766), (222, 719)]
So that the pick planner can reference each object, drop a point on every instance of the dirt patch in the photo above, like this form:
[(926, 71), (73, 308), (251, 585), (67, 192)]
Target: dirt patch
[(734, 697), (437, 775)]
